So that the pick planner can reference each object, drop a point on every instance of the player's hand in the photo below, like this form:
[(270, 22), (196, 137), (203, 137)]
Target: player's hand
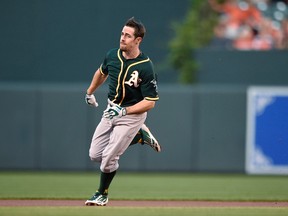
[(114, 111), (91, 100)]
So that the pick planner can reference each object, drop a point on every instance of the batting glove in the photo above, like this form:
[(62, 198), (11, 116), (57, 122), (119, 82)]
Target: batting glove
[(91, 100), (115, 111)]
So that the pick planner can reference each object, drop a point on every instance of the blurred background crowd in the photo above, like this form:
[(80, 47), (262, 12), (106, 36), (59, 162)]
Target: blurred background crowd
[(251, 24)]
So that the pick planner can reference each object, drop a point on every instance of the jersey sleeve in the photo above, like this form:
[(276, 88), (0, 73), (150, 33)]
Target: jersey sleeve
[(149, 85), (104, 67)]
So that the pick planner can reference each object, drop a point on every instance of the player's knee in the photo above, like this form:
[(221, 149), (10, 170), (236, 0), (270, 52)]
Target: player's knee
[(95, 158)]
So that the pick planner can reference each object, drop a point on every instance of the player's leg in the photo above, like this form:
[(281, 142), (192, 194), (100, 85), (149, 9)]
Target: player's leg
[(144, 136), (100, 198), (137, 139), (99, 142), (120, 138)]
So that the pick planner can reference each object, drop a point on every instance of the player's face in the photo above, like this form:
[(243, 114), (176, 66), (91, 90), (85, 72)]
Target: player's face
[(128, 42)]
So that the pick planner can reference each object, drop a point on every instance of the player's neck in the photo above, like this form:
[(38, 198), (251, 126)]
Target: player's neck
[(131, 54)]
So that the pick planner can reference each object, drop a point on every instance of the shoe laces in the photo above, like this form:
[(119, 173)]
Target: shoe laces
[(102, 198), (95, 196)]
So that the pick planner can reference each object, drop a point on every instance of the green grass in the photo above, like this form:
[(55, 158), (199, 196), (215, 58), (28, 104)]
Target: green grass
[(124, 211), (144, 186)]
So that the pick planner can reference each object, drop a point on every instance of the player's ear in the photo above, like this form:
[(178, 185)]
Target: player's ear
[(138, 40)]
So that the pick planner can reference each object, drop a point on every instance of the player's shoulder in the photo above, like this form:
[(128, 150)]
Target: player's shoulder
[(146, 68), (145, 60), (112, 52), (143, 56)]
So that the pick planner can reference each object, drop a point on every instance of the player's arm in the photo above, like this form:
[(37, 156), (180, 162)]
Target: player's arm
[(98, 79), (140, 107)]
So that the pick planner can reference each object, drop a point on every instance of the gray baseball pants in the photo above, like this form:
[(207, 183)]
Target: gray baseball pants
[(112, 137)]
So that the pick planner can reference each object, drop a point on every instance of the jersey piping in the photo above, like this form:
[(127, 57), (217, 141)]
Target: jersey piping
[(123, 81), (152, 99), (119, 76), (100, 68)]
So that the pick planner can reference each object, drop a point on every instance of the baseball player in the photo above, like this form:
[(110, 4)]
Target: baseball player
[(132, 92)]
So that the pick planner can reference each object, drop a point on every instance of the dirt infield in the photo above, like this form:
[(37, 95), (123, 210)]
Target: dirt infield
[(131, 203)]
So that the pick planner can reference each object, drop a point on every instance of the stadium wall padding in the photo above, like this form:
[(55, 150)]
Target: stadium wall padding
[(49, 127)]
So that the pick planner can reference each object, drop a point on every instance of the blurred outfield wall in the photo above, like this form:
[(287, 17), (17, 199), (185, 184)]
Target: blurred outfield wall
[(46, 125), (49, 127), (49, 52)]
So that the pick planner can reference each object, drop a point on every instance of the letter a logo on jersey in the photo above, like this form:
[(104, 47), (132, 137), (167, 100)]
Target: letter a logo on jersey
[(134, 80)]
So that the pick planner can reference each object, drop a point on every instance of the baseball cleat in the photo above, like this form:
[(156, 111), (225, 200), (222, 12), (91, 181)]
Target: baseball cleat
[(149, 139), (97, 200)]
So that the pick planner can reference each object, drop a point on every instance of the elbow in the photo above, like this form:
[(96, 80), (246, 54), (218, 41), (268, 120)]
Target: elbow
[(151, 104)]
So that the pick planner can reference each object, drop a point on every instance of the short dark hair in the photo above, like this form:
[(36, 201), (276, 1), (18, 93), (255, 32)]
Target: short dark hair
[(138, 26)]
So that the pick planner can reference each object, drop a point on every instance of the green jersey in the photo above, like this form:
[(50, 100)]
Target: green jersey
[(131, 80)]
